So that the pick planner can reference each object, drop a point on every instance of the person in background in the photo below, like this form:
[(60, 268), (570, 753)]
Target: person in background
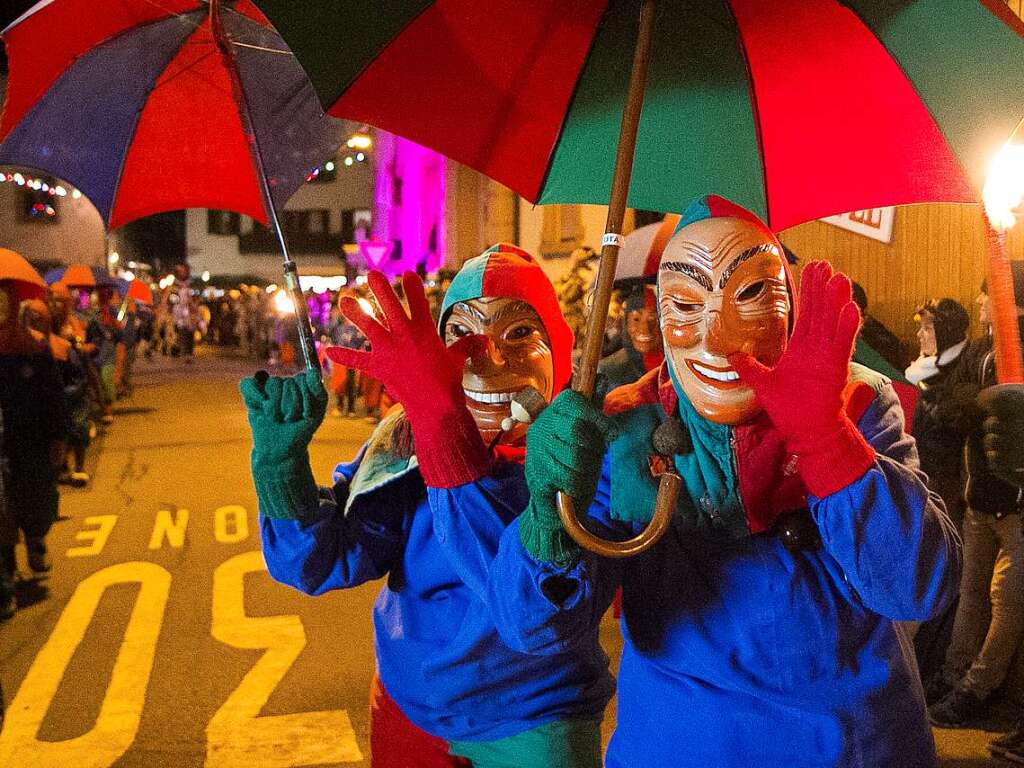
[(6, 584), (989, 620), (641, 349), (127, 345), (75, 383), (942, 337), (876, 335), (103, 333), (344, 381), (184, 311), (1003, 406), (35, 426)]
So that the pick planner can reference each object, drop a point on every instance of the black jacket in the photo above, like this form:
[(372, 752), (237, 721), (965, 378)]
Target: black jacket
[(940, 444), (976, 369)]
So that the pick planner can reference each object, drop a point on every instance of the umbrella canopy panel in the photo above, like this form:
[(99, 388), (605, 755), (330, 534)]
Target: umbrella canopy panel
[(15, 268), (79, 276), (147, 120), (797, 109)]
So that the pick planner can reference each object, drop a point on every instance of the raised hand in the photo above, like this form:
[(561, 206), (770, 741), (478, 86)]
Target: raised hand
[(284, 413), (803, 393), (408, 355)]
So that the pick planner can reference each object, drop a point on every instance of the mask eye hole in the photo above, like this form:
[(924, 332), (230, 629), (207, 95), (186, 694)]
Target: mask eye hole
[(519, 332), (752, 291), (687, 306), (458, 330)]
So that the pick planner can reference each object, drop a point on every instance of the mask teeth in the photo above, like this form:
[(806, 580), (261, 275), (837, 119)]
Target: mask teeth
[(717, 375), (491, 398)]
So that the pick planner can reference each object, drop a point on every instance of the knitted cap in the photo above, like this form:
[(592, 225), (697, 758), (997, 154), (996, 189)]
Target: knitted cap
[(508, 271), (713, 207)]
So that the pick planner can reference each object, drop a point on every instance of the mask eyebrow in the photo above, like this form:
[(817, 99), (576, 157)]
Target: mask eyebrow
[(690, 271), (749, 253)]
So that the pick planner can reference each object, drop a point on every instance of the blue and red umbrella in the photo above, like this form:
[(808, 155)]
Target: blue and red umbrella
[(149, 107), (79, 276), (138, 106)]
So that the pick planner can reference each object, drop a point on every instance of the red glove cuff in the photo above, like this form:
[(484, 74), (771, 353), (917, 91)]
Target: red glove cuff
[(449, 448), (834, 461)]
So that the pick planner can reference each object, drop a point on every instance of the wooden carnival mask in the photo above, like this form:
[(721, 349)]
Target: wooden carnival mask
[(518, 356), (642, 323), (721, 289)]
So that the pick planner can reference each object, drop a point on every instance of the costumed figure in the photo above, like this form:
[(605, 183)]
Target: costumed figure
[(759, 630), (428, 514)]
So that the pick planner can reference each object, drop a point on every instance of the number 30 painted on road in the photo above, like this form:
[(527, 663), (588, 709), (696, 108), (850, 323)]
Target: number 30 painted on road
[(236, 736)]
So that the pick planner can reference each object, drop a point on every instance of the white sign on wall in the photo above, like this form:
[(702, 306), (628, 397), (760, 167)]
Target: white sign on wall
[(875, 223)]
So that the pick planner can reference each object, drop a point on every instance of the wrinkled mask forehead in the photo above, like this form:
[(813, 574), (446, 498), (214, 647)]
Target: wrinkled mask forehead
[(722, 289)]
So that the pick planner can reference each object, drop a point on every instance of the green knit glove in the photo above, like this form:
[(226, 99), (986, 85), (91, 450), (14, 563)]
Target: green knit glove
[(564, 451), (284, 413)]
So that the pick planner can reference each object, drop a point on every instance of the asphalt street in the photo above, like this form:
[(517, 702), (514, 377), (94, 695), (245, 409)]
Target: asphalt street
[(163, 642)]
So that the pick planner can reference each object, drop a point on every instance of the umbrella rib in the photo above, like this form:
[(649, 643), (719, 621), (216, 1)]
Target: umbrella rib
[(261, 48), (752, 93)]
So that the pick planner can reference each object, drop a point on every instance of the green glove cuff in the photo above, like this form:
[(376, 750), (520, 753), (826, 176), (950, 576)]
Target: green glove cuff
[(542, 535), (286, 489)]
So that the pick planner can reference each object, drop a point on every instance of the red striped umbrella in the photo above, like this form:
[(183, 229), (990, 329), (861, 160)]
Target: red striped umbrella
[(796, 109)]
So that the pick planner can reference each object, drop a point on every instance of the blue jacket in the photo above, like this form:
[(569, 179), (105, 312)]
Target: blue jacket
[(439, 653), (741, 652)]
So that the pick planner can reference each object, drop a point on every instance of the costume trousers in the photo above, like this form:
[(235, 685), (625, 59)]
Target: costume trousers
[(395, 742), (990, 617)]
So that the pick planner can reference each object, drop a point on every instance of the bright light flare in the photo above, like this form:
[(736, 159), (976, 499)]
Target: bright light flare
[(283, 303), (359, 141), (365, 305), (1004, 188)]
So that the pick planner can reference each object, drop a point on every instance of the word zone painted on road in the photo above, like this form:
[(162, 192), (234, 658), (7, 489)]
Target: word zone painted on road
[(230, 526), (237, 736)]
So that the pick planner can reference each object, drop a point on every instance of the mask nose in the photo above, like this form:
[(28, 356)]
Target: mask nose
[(716, 339), (487, 358)]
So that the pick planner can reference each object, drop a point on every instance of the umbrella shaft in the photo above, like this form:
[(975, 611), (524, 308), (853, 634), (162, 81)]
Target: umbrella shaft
[(583, 382), (1003, 310), (291, 273)]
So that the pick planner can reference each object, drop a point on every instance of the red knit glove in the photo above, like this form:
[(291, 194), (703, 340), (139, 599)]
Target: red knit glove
[(409, 357), (803, 393)]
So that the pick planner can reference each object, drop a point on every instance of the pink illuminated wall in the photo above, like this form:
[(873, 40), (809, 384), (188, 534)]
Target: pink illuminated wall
[(409, 203)]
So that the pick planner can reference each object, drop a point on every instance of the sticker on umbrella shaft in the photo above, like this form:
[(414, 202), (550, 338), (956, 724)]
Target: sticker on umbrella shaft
[(612, 238)]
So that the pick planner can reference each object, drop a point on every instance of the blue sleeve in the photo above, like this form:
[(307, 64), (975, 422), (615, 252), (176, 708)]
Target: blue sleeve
[(542, 609), (893, 540), (327, 549), (469, 521)]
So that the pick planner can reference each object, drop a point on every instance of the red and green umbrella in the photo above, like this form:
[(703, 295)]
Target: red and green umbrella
[(158, 106), (796, 109)]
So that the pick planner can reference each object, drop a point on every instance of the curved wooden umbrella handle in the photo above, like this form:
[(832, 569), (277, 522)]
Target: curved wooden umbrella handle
[(668, 493)]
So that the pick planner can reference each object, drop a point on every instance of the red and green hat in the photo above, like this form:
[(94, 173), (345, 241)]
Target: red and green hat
[(505, 270)]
